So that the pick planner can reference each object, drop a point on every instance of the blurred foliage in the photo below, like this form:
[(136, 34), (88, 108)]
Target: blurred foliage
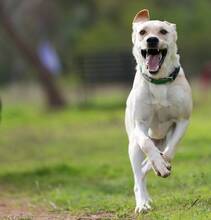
[(87, 26)]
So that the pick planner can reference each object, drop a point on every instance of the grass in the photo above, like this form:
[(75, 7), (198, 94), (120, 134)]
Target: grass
[(76, 161)]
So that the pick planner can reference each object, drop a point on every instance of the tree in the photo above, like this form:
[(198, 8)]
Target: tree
[(54, 96)]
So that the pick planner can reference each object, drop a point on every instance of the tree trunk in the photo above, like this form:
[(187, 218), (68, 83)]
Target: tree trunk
[(55, 98)]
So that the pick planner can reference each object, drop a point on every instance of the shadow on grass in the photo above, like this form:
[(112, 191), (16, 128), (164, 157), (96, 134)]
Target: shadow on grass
[(89, 105), (66, 177)]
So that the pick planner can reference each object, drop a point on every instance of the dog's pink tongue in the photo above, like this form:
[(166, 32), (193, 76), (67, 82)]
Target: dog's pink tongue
[(153, 62)]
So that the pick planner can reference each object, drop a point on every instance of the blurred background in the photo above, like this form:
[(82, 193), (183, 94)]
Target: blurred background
[(51, 47), (76, 57)]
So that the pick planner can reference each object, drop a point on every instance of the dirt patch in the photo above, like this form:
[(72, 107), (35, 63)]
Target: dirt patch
[(11, 210), (99, 216)]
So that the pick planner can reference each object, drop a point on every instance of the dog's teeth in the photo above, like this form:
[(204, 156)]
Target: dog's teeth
[(161, 56)]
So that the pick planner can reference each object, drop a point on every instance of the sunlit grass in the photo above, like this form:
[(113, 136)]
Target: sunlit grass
[(77, 160)]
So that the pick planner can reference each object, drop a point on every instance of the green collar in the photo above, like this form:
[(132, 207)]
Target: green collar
[(165, 80)]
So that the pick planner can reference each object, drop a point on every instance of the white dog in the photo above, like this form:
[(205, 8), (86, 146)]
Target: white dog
[(159, 104)]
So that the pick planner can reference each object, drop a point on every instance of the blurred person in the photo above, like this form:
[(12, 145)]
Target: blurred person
[(205, 76), (49, 57)]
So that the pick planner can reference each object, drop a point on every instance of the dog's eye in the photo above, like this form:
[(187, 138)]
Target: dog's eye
[(142, 32), (163, 31)]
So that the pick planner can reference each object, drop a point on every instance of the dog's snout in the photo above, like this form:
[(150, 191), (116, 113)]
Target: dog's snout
[(152, 41)]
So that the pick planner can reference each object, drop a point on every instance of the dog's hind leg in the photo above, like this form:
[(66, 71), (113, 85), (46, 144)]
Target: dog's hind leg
[(141, 195)]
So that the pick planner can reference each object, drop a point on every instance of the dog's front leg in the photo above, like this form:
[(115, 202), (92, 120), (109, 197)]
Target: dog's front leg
[(141, 195), (173, 139), (159, 165)]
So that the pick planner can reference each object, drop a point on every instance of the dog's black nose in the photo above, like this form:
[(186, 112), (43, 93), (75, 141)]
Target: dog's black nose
[(152, 41)]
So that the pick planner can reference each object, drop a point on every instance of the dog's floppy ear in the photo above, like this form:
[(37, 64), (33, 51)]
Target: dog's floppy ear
[(142, 16), (174, 26), (171, 24)]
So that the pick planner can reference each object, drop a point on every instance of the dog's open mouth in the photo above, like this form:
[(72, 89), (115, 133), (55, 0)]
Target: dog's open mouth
[(154, 59)]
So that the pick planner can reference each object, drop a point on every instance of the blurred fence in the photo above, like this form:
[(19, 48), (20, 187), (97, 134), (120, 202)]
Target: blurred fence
[(106, 67)]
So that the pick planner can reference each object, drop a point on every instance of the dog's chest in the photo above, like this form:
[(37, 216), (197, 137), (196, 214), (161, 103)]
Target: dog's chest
[(160, 118), (159, 102), (158, 96)]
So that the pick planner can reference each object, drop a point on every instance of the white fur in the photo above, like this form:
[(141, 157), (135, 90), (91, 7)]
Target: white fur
[(158, 112)]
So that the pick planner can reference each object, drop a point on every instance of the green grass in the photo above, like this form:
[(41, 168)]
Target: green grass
[(77, 161)]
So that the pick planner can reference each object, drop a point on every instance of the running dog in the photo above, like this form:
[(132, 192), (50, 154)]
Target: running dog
[(159, 105)]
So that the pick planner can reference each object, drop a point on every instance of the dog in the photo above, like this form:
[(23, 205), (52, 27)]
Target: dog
[(159, 105)]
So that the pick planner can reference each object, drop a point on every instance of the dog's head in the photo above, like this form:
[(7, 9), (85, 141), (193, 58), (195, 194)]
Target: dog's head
[(154, 43)]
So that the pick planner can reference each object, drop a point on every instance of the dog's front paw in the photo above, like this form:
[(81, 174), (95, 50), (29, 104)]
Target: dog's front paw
[(161, 166), (165, 156), (143, 207)]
